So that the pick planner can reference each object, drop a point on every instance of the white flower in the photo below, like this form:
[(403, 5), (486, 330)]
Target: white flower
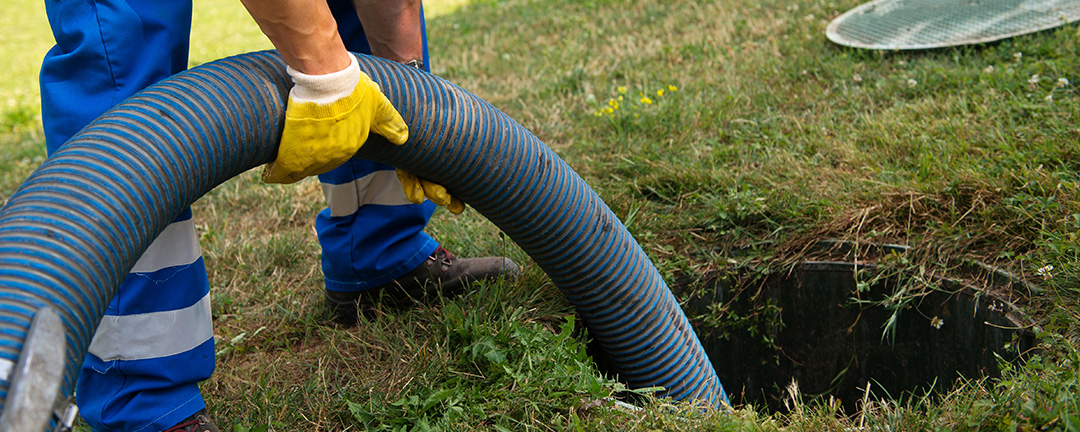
[(912, 83), (1034, 79), (936, 322), (1049, 97), (1017, 56), (1062, 82), (856, 78), (988, 69), (1044, 272)]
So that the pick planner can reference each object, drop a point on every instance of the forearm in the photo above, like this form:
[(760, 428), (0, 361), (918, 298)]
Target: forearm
[(392, 28), (303, 31)]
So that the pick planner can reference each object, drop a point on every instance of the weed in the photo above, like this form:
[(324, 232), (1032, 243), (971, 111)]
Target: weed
[(510, 374)]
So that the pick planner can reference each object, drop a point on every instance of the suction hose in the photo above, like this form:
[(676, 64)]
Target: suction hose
[(78, 224)]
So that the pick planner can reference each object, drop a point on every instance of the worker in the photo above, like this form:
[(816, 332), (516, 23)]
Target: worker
[(155, 343)]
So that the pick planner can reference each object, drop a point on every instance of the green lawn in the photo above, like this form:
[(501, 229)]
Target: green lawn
[(728, 135)]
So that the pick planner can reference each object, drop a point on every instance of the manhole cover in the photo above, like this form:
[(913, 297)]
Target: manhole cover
[(924, 24)]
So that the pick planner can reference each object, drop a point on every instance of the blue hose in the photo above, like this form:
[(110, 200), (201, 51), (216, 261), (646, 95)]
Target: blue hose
[(78, 224)]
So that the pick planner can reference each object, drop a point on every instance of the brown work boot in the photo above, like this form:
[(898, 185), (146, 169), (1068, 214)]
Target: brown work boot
[(442, 273), (198, 422)]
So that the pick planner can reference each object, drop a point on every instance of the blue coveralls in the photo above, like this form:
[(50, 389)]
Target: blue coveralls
[(155, 343)]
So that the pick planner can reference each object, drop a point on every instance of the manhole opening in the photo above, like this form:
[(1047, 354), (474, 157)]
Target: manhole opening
[(823, 326)]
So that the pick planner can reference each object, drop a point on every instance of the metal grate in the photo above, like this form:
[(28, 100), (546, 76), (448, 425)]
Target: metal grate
[(923, 24)]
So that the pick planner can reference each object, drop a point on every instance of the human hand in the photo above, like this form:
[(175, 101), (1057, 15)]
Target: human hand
[(328, 119), (417, 188)]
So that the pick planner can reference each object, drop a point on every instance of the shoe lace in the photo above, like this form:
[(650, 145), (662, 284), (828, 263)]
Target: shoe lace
[(448, 258)]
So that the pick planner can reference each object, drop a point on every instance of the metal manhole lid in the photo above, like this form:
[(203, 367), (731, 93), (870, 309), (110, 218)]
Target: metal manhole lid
[(924, 24)]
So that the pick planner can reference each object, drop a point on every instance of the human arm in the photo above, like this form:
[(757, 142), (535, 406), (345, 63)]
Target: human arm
[(304, 33), (393, 28)]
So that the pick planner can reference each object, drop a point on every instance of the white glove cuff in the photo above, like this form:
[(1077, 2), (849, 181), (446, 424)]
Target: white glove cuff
[(324, 89)]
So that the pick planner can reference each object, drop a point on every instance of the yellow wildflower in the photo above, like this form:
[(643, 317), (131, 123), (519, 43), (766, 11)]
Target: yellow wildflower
[(645, 100), (622, 89), (660, 93), (672, 88)]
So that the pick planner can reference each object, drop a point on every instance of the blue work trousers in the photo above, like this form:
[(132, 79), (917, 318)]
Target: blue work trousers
[(155, 343)]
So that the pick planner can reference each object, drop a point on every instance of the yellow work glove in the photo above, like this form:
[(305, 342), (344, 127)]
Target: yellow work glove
[(417, 188), (328, 119)]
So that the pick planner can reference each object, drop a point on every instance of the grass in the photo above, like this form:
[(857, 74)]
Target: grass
[(767, 138)]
